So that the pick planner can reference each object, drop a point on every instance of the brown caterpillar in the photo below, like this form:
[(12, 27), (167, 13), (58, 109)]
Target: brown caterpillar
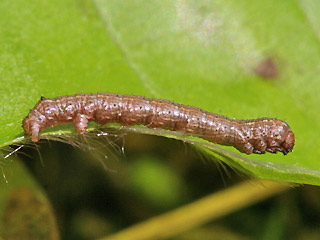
[(248, 136)]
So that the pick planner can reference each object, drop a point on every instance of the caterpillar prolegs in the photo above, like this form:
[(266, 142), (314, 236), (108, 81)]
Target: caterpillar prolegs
[(248, 136)]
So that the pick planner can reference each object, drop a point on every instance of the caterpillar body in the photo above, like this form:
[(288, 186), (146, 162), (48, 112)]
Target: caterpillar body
[(248, 136)]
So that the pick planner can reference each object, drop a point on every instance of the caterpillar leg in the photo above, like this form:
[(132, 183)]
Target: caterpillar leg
[(35, 134), (246, 148), (81, 123)]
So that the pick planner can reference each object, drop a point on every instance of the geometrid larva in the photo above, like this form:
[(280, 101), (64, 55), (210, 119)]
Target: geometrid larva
[(248, 136)]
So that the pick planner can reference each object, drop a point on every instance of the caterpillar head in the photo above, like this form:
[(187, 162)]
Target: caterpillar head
[(288, 143), (282, 138)]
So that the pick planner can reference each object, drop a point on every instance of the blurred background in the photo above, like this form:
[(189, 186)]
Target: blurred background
[(95, 193)]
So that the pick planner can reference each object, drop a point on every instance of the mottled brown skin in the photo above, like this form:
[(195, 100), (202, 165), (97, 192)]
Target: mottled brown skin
[(248, 136)]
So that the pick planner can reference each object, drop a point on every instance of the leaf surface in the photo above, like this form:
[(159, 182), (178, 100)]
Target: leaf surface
[(196, 53)]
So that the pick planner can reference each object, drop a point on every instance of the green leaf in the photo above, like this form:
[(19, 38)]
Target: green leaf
[(192, 52)]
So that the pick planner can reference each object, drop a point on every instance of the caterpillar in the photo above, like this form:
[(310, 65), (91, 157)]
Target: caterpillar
[(248, 136)]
